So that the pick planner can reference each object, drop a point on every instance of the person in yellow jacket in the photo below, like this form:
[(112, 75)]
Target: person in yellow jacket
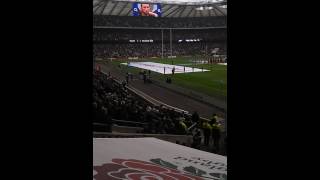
[(214, 119), (182, 127), (206, 132), (216, 134)]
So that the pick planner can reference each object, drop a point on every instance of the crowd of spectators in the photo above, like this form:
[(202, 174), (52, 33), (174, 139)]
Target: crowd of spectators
[(142, 50), (124, 43), (163, 22), (124, 35), (112, 100), (127, 50)]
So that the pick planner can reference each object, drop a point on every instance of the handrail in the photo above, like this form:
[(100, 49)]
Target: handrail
[(132, 122), (192, 126), (138, 134), (100, 124)]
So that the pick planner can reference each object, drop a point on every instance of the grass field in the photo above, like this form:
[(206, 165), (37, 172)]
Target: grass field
[(212, 83)]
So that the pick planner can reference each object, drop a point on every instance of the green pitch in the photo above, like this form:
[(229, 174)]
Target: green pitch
[(212, 83)]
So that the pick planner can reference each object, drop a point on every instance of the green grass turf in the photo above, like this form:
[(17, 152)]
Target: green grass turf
[(212, 83)]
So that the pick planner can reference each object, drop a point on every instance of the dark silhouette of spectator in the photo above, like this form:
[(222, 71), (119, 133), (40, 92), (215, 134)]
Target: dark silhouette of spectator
[(225, 145), (144, 77), (195, 117), (168, 80), (197, 139), (213, 119), (216, 134), (131, 76), (206, 132), (127, 78)]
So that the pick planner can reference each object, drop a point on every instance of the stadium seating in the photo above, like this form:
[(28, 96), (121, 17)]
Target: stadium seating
[(124, 43), (113, 101), (124, 35), (127, 21), (109, 50)]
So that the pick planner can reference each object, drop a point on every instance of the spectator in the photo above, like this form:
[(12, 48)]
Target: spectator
[(149, 73), (197, 139), (182, 128), (216, 133), (207, 132), (131, 76), (127, 78), (225, 145), (195, 117), (144, 77), (214, 119)]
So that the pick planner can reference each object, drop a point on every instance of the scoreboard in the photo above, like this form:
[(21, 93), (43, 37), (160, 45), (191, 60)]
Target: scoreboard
[(146, 9)]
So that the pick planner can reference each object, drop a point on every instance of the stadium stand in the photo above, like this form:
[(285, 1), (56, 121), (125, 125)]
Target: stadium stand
[(113, 101), (120, 113), (193, 22), (109, 50), (116, 42), (124, 35)]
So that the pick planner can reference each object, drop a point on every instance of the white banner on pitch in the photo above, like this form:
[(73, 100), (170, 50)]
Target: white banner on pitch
[(151, 158), (164, 68)]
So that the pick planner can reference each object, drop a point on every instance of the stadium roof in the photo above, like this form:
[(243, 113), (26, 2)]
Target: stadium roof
[(170, 8)]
